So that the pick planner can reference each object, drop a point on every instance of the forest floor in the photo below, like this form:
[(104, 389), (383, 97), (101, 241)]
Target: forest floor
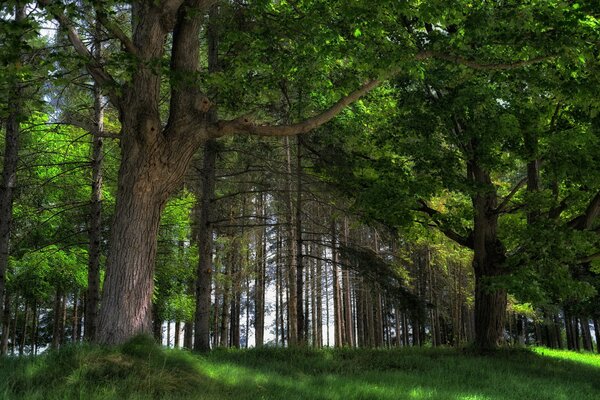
[(141, 370)]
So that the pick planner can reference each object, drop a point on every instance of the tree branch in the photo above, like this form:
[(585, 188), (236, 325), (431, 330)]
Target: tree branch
[(456, 59), (510, 195), (590, 258), (93, 66), (465, 241), (245, 124)]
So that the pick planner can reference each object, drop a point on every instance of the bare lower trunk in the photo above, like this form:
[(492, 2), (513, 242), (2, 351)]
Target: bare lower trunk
[(128, 285), (488, 260), (204, 240), (259, 301)]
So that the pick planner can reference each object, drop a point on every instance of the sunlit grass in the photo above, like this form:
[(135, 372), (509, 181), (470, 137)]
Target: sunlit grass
[(141, 370)]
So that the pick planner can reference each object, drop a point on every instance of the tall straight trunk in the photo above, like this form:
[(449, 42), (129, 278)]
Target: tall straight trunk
[(57, 319), (597, 334), (5, 324), (8, 180), (177, 334), (488, 260), (204, 239), (278, 293), (319, 295), (204, 204), (156, 324), (75, 317), (259, 285), (292, 303), (95, 227), (337, 302), (299, 254), (168, 333), (226, 304), (34, 328), (586, 334), (235, 313), (346, 297), (24, 330)]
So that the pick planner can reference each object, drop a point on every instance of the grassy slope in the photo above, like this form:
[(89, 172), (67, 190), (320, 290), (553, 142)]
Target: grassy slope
[(140, 370)]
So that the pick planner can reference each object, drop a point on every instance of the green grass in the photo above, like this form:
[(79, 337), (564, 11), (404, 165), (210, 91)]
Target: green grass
[(140, 370)]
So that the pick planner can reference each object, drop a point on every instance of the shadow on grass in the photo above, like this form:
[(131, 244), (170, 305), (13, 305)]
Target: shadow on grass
[(401, 374), (142, 370)]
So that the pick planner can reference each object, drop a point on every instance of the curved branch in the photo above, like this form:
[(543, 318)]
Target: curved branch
[(510, 195), (245, 124), (466, 241), (93, 66)]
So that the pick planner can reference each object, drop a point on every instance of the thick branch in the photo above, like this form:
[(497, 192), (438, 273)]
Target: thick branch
[(93, 66), (245, 125), (435, 215), (185, 64), (510, 195), (590, 258), (456, 59)]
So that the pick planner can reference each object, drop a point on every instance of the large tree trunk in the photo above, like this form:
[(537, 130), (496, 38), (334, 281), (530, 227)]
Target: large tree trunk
[(488, 259), (128, 286)]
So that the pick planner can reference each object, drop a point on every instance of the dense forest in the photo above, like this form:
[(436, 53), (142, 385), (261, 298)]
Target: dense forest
[(324, 173)]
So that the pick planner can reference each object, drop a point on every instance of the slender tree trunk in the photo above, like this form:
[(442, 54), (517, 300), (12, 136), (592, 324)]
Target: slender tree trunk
[(177, 333), (204, 240), (300, 324), (5, 324), (75, 317), (259, 285), (57, 320), (8, 180), (337, 302), (586, 334), (292, 303), (34, 328), (225, 306), (156, 324), (95, 227), (207, 194), (597, 334)]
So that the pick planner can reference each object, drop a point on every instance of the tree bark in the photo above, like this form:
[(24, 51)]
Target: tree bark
[(204, 240), (488, 259)]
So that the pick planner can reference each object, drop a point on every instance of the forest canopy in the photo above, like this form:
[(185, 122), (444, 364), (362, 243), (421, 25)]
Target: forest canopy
[(324, 173)]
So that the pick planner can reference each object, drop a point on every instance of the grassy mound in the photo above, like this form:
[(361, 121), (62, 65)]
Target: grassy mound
[(142, 370), (138, 369)]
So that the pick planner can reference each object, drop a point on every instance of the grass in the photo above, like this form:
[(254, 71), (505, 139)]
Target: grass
[(141, 370)]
